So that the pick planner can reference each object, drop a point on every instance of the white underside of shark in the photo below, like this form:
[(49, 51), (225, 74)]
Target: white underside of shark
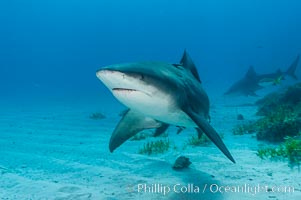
[(144, 98)]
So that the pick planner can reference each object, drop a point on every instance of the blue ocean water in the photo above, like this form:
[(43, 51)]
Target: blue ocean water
[(51, 50), (54, 47)]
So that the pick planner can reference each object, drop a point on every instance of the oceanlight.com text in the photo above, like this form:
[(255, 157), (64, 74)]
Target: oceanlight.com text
[(191, 188)]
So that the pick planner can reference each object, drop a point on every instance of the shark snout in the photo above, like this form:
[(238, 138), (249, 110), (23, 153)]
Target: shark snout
[(112, 79), (102, 73)]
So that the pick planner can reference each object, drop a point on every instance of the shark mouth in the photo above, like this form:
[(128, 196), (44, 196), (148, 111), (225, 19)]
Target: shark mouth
[(124, 89), (128, 90)]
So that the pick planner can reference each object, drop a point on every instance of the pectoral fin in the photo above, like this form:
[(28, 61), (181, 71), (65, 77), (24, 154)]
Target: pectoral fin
[(130, 124), (202, 123), (160, 130)]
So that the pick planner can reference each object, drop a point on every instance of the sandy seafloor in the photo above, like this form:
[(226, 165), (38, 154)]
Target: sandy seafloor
[(58, 152)]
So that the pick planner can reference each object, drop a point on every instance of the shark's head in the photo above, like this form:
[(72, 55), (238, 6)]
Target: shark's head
[(131, 76), (138, 87), (246, 86), (119, 81)]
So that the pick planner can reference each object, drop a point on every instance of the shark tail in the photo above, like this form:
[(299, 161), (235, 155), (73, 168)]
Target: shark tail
[(291, 70)]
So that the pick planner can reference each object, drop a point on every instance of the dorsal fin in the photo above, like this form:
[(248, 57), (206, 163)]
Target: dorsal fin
[(251, 72), (187, 63)]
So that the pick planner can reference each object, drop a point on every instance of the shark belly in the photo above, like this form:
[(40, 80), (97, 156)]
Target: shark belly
[(159, 106)]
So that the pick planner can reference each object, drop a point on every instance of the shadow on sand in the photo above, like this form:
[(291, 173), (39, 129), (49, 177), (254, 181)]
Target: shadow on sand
[(195, 184), (199, 184)]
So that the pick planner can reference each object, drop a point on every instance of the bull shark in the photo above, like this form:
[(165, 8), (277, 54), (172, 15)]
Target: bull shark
[(252, 81), (159, 94)]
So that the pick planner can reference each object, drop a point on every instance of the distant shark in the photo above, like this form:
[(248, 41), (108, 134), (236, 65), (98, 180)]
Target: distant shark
[(158, 94), (252, 81)]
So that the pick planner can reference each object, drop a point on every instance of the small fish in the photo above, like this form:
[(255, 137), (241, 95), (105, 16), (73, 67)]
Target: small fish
[(265, 82)]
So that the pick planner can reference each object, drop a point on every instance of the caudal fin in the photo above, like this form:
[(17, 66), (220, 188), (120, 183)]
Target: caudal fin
[(291, 70)]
